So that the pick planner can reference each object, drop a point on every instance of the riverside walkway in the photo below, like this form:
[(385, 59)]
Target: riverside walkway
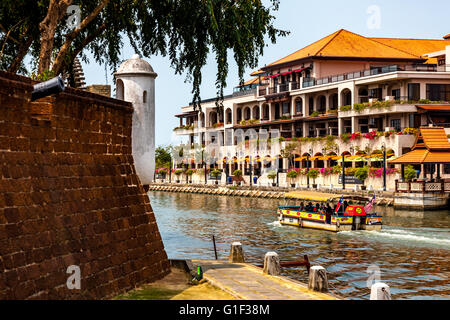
[(247, 282)]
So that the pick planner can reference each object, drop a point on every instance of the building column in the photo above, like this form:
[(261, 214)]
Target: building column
[(354, 129), (305, 129), (341, 122), (423, 90), (261, 111), (271, 112), (293, 106)]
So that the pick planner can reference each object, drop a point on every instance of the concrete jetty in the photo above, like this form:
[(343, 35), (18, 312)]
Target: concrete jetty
[(247, 282)]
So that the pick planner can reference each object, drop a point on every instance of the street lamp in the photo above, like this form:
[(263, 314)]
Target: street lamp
[(204, 165), (343, 166), (384, 166), (170, 170), (310, 151), (250, 166)]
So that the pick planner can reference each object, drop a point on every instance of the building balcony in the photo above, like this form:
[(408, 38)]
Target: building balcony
[(386, 107), (312, 82)]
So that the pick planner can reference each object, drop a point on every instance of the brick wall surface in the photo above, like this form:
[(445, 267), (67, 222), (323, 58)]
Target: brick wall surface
[(104, 90), (69, 195)]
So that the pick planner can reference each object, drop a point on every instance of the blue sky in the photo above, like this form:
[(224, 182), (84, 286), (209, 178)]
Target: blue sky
[(308, 21)]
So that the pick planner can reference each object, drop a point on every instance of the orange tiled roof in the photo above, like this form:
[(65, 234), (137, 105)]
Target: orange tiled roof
[(344, 43), (257, 73), (444, 107), (417, 47), (431, 146), (252, 81), (434, 138), (420, 156)]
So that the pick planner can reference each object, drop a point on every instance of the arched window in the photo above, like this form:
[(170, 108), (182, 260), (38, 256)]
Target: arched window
[(322, 104), (239, 115), (144, 98), (256, 112), (334, 101), (311, 105), (266, 112), (319, 163), (247, 114), (228, 116), (346, 97), (298, 106), (120, 90)]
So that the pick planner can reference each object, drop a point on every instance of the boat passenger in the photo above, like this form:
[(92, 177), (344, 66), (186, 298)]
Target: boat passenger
[(302, 206), (317, 208), (309, 207)]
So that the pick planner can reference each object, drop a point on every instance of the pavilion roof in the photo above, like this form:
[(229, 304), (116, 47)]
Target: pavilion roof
[(431, 147)]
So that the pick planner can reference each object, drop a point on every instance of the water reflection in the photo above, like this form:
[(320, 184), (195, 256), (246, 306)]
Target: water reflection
[(411, 250)]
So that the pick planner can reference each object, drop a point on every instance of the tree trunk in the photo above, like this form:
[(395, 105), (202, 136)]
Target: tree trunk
[(56, 11), (63, 52)]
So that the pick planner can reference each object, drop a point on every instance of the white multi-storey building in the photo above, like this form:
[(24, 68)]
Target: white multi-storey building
[(343, 95)]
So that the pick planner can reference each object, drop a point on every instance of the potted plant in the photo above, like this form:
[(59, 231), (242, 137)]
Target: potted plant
[(215, 174), (293, 174), (313, 174), (362, 174), (410, 173), (178, 173), (238, 174), (272, 175), (189, 174)]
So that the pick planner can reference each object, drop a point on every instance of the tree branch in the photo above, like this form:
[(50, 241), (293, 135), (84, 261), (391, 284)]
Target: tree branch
[(23, 50), (3, 29), (85, 42), (58, 64)]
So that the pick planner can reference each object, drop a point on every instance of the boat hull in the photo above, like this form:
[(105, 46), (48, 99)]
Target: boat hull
[(293, 217)]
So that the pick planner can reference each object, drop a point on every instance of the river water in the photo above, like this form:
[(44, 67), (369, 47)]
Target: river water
[(411, 252)]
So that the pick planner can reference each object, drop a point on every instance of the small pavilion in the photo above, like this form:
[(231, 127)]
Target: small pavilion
[(432, 148)]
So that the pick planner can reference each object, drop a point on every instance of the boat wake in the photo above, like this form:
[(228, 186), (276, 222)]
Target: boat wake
[(413, 236), (275, 224)]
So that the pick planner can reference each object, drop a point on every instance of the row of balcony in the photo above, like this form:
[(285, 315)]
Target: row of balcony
[(311, 82)]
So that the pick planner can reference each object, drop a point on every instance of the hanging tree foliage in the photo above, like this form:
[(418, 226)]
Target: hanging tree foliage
[(184, 30)]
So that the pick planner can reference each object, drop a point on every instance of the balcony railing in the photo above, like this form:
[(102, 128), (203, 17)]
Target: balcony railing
[(422, 187), (309, 82), (284, 87)]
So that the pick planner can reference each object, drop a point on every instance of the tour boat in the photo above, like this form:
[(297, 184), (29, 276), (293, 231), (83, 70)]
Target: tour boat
[(354, 217)]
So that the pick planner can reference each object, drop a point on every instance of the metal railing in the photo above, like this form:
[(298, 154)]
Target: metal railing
[(284, 87), (309, 82), (422, 186)]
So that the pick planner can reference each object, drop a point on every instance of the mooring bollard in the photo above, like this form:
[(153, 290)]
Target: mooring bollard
[(272, 264), (380, 291), (236, 253), (318, 280)]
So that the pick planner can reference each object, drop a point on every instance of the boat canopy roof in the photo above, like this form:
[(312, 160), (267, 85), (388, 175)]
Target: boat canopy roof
[(314, 196), (321, 197)]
